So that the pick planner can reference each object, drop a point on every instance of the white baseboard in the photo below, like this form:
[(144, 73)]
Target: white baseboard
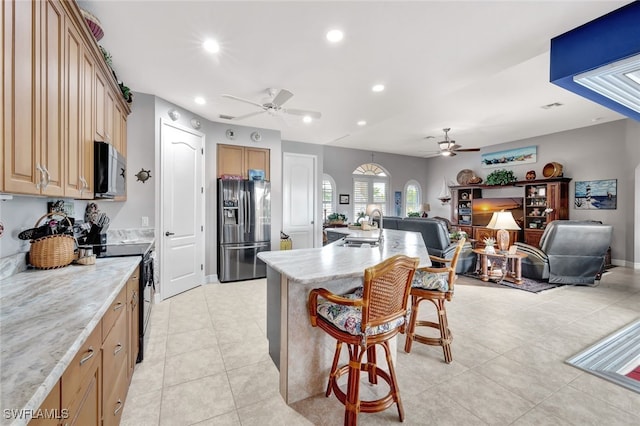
[(212, 279), (625, 263)]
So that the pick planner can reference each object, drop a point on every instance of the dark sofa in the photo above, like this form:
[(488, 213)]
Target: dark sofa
[(436, 238)]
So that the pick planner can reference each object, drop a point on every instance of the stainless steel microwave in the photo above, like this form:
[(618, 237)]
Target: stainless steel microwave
[(110, 169)]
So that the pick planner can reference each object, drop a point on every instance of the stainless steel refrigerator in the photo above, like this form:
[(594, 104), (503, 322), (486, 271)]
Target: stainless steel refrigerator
[(244, 228)]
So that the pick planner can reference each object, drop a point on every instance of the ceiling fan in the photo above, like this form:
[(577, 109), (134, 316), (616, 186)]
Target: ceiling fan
[(449, 147), (274, 107)]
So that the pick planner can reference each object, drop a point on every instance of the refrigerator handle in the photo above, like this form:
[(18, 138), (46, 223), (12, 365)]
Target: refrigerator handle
[(249, 196)]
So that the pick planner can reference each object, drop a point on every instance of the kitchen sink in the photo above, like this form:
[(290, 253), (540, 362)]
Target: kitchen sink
[(358, 243)]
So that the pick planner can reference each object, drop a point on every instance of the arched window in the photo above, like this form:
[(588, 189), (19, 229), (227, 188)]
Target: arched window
[(413, 197), (370, 185), (328, 195)]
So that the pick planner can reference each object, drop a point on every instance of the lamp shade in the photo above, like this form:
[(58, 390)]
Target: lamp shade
[(372, 208), (503, 220), (425, 207)]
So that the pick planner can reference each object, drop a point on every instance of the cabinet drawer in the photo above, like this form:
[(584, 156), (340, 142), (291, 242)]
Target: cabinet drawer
[(114, 351), (117, 307), (82, 366), (133, 284), (113, 404)]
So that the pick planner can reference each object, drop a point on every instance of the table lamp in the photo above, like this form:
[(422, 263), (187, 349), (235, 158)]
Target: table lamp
[(425, 209), (371, 209), (503, 222)]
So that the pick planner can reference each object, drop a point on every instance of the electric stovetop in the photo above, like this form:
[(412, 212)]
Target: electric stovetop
[(120, 250)]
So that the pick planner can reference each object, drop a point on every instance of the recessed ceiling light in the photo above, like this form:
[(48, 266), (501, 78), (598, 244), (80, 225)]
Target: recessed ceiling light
[(211, 46), (200, 100), (307, 119), (378, 88), (362, 123), (335, 36)]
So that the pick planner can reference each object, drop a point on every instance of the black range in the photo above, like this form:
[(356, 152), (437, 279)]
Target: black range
[(147, 283)]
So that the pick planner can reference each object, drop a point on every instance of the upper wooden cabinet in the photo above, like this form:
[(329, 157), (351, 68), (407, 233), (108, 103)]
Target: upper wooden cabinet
[(237, 160), (52, 74), (33, 115)]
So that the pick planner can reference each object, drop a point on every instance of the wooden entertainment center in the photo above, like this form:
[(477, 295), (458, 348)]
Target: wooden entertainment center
[(544, 200)]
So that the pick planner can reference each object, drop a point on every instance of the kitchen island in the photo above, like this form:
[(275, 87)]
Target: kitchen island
[(303, 354)]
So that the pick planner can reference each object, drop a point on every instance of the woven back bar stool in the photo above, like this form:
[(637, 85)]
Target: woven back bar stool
[(436, 286), (370, 315)]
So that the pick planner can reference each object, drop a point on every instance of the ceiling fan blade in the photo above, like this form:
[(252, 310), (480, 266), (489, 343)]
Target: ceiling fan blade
[(241, 117), (247, 101), (468, 150), (312, 114), (454, 147), (283, 96)]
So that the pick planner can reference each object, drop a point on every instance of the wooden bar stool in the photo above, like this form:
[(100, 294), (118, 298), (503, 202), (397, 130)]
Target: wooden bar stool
[(436, 286), (369, 316)]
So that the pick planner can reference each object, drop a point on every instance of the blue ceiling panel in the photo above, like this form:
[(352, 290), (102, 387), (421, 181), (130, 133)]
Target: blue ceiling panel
[(605, 40)]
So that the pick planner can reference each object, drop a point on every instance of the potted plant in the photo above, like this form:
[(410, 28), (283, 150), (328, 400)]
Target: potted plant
[(413, 214), (489, 245), (501, 177), (337, 218)]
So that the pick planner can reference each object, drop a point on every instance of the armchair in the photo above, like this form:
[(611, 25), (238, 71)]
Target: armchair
[(571, 252)]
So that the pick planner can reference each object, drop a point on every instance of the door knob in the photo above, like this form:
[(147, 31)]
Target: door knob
[(169, 233)]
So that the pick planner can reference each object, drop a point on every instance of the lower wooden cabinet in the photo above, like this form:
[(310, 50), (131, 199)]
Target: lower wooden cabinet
[(93, 388), (133, 300), (49, 412)]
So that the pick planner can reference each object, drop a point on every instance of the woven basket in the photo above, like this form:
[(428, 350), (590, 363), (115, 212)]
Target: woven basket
[(52, 251)]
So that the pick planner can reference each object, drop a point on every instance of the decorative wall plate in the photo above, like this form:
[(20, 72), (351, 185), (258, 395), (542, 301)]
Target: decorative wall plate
[(464, 176)]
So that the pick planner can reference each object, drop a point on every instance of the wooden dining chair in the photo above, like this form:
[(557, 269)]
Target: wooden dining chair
[(436, 286), (371, 315)]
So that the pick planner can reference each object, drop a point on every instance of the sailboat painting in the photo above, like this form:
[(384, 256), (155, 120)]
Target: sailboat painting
[(596, 194)]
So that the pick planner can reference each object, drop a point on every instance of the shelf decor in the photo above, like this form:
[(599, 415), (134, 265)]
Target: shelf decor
[(596, 194), (501, 177), (510, 157)]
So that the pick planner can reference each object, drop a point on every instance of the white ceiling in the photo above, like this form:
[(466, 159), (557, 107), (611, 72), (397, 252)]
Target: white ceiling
[(479, 67)]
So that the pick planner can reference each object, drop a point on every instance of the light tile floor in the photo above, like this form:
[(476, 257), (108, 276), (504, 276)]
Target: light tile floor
[(207, 361)]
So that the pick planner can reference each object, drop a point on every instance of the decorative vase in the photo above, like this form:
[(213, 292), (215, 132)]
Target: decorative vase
[(489, 249)]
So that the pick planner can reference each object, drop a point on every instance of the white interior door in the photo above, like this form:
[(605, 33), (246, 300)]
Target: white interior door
[(299, 193), (182, 209)]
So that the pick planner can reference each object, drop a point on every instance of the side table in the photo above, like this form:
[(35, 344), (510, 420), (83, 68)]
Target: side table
[(511, 269)]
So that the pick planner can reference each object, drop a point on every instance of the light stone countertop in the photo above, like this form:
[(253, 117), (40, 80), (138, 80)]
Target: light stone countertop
[(45, 317), (331, 262)]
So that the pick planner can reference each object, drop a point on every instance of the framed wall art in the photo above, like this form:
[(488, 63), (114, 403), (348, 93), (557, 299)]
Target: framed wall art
[(344, 198), (510, 157), (596, 194)]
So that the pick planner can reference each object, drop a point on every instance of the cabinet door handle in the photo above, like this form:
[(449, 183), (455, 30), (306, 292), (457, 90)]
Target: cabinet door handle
[(118, 407), (40, 184), (118, 305), (117, 348), (48, 177), (88, 356)]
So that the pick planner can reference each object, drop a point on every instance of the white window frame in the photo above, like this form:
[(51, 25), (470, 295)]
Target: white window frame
[(419, 201), (334, 195), (371, 180)]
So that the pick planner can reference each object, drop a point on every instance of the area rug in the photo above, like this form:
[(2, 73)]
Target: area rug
[(528, 284), (615, 358)]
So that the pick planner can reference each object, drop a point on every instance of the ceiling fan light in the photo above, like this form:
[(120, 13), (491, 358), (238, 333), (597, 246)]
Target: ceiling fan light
[(446, 153), (307, 119), (378, 88)]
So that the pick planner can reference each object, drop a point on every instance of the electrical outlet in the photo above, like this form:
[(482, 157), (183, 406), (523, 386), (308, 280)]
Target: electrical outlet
[(145, 220)]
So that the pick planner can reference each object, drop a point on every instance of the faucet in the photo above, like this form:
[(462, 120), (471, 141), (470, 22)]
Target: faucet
[(371, 209)]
